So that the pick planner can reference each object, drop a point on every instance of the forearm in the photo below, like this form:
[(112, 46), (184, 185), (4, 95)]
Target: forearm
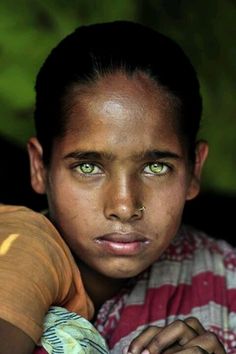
[(14, 340)]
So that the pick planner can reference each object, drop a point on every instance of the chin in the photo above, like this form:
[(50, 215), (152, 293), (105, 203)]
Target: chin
[(123, 272)]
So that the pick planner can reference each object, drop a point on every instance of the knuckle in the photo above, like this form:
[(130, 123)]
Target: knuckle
[(192, 320), (156, 343), (180, 324), (210, 337), (152, 327), (198, 350), (134, 347), (195, 324)]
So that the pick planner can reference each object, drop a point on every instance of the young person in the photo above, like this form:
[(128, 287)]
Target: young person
[(117, 113)]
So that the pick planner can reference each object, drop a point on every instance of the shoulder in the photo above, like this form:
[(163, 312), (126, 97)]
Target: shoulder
[(30, 237), (17, 214), (26, 225)]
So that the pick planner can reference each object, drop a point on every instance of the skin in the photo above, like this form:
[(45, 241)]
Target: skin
[(121, 150), (14, 340), (115, 126), (181, 336)]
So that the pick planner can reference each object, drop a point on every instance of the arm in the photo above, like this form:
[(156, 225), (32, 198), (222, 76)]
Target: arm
[(14, 340), (32, 267), (36, 271)]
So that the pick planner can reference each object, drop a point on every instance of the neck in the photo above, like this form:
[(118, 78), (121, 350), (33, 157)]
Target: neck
[(99, 287)]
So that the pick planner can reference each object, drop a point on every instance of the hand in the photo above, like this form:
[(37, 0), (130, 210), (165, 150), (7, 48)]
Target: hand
[(183, 337)]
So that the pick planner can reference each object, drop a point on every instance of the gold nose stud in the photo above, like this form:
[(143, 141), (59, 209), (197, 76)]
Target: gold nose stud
[(142, 208)]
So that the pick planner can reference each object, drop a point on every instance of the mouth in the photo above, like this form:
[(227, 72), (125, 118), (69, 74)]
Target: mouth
[(123, 244)]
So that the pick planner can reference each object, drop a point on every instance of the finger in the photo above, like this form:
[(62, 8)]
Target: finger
[(142, 340), (173, 349), (176, 333), (208, 342), (195, 324), (195, 350)]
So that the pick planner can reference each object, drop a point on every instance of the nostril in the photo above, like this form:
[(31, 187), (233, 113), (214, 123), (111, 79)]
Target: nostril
[(113, 217), (124, 213)]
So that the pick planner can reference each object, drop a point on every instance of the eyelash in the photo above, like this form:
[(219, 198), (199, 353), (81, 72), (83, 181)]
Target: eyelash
[(77, 168), (167, 168)]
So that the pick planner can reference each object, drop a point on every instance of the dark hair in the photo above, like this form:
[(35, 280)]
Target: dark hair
[(95, 50)]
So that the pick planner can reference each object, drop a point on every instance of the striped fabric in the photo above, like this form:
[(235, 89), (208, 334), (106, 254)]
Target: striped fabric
[(68, 333), (196, 276)]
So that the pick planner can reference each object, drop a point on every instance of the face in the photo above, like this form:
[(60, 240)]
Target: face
[(121, 152)]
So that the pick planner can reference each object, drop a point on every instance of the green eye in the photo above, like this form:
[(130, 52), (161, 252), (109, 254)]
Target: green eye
[(156, 168), (87, 168)]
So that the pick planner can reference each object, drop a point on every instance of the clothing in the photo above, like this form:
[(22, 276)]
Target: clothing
[(68, 333), (37, 270), (196, 276)]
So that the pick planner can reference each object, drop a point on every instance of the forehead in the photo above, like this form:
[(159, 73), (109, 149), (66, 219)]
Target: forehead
[(119, 108)]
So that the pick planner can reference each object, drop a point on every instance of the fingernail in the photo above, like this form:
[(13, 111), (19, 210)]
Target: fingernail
[(125, 350), (145, 351)]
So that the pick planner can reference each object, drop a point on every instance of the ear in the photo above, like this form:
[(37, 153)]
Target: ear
[(37, 168), (201, 153)]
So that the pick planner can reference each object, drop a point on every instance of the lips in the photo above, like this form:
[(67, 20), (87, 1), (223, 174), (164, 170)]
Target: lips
[(122, 244)]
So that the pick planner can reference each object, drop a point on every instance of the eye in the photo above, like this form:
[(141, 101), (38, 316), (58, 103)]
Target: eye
[(156, 168), (87, 169)]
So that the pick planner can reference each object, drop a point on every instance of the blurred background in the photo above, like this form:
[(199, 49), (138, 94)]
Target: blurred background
[(205, 29)]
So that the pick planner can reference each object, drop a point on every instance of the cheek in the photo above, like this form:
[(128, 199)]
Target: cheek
[(71, 208), (166, 207)]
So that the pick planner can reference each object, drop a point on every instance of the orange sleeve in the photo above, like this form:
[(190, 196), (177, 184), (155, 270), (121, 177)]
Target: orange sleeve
[(37, 270)]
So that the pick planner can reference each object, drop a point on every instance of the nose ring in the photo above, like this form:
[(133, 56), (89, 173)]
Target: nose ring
[(142, 208)]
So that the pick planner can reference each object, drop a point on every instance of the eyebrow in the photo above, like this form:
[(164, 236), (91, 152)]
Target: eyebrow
[(156, 155), (146, 155), (89, 155)]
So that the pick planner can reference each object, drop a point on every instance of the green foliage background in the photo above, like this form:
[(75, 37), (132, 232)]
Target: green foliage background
[(205, 29)]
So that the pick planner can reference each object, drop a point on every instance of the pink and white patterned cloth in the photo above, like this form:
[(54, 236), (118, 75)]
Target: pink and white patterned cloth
[(196, 276)]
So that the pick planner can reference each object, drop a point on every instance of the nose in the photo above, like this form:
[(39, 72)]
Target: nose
[(122, 200)]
